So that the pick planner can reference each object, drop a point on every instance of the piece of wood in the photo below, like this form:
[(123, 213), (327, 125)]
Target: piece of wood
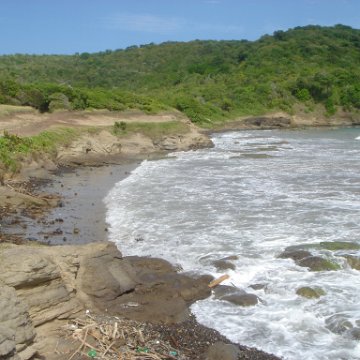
[(218, 280)]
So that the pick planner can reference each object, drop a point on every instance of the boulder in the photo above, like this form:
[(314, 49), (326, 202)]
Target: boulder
[(222, 351), (296, 255), (317, 263), (310, 293), (235, 295)]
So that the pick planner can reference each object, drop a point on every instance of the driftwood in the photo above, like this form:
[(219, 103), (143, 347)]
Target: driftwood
[(114, 338), (218, 280)]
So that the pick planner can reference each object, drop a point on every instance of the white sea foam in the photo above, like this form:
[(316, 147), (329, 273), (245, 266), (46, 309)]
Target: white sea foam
[(197, 207)]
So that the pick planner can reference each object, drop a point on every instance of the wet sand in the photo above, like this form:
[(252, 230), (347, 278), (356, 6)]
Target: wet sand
[(80, 215)]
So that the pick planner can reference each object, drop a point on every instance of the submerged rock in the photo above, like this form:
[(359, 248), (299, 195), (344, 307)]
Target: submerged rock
[(317, 263), (294, 254), (235, 295), (338, 324), (224, 265), (258, 286), (310, 293), (355, 333), (339, 245)]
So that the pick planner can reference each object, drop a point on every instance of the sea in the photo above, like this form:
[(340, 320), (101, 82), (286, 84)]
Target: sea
[(252, 195)]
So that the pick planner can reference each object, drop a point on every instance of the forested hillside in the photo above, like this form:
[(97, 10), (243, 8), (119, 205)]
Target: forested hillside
[(207, 80)]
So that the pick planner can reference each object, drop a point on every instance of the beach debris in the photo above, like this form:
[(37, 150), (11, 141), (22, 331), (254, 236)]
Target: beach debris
[(218, 281), (106, 337)]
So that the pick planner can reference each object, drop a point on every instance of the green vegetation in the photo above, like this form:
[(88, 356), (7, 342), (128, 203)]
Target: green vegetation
[(13, 147), (207, 80)]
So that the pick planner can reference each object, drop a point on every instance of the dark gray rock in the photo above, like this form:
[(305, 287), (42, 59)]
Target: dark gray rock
[(224, 265), (235, 295), (258, 286), (296, 255)]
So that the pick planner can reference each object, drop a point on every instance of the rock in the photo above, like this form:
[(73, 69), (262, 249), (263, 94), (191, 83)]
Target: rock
[(231, 258), (338, 324), (310, 293), (339, 245), (39, 285), (242, 300), (235, 295), (223, 290), (16, 329), (222, 351), (103, 276), (294, 254), (258, 286), (224, 265), (7, 342), (166, 293), (353, 261), (317, 263), (22, 267), (268, 122), (355, 333)]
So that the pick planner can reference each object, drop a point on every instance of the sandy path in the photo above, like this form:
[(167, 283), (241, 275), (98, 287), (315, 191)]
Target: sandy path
[(28, 124)]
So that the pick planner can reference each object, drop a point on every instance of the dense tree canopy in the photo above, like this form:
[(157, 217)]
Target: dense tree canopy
[(207, 80)]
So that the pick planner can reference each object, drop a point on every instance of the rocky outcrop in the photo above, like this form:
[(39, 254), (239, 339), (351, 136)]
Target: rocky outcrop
[(235, 295), (41, 285), (265, 122), (16, 329), (105, 147)]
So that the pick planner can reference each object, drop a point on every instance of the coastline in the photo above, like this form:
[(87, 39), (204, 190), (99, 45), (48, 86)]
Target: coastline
[(80, 218), (165, 315)]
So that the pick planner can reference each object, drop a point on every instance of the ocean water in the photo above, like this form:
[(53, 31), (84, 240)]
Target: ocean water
[(252, 195)]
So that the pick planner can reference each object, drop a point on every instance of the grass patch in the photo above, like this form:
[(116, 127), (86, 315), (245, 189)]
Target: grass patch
[(153, 130), (13, 147)]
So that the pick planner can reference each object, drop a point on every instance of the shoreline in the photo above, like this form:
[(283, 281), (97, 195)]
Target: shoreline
[(80, 214), (89, 184)]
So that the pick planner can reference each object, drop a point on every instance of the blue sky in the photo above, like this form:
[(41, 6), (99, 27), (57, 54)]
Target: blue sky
[(69, 26)]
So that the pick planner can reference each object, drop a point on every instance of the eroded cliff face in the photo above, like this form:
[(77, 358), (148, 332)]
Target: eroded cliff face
[(103, 148), (42, 286)]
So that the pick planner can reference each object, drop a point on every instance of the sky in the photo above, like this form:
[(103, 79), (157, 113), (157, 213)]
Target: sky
[(70, 26)]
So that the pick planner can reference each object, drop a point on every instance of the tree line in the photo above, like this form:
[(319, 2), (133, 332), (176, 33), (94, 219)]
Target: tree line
[(207, 80)]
